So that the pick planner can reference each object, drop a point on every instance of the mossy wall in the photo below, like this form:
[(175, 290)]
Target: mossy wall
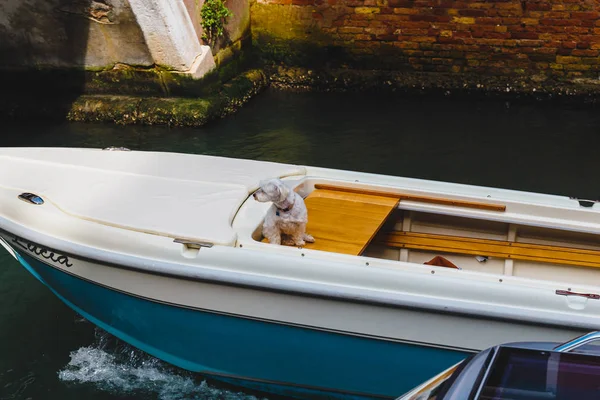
[(529, 38)]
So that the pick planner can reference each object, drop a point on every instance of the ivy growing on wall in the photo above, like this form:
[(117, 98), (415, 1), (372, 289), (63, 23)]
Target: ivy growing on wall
[(214, 13)]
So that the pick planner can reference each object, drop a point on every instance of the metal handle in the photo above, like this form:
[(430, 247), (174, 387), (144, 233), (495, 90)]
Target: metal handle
[(592, 296), (189, 243), (578, 342), (584, 203), (113, 148)]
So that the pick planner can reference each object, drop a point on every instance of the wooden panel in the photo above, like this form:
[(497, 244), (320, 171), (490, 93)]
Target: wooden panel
[(423, 199), (492, 248), (344, 222)]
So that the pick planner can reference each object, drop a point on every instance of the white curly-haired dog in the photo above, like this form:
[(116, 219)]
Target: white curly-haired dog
[(285, 222)]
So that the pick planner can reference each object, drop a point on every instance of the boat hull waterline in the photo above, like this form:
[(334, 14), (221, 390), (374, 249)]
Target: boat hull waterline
[(264, 356)]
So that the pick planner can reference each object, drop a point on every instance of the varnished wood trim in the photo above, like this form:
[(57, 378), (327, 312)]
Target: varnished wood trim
[(411, 197), (492, 248)]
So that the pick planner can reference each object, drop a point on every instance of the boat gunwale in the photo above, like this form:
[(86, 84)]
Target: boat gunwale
[(320, 290)]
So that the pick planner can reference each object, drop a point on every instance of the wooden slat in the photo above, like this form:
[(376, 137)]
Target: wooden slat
[(492, 248), (422, 199), (345, 222)]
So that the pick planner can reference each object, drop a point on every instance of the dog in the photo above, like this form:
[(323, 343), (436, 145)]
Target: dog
[(285, 222)]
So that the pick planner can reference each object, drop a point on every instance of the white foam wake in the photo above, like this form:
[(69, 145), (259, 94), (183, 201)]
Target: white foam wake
[(124, 370)]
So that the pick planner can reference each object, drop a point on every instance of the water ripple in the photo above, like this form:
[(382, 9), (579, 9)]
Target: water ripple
[(113, 366)]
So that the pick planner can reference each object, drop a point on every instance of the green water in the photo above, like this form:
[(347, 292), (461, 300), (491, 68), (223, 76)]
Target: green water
[(48, 352)]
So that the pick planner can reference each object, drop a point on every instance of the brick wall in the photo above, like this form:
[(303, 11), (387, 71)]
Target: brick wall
[(502, 37)]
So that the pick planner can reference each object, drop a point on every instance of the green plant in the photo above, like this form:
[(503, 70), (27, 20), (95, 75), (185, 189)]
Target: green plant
[(213, 14)]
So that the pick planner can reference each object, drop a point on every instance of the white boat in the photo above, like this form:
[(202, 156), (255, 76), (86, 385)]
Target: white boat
[(165, 252)]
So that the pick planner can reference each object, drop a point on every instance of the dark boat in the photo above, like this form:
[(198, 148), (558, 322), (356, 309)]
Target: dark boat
[(521, 371)]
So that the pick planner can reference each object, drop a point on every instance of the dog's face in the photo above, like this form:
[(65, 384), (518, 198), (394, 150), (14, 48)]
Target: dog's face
[(272, 190)]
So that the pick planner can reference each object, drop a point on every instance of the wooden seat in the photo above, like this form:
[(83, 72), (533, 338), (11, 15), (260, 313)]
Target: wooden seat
[(344, 222), (492, 248)]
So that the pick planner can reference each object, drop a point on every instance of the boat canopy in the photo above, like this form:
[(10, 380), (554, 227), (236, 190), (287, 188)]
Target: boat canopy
[(181, 196)]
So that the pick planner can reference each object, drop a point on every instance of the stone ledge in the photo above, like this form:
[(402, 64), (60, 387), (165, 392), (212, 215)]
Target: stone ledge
[(121, 109), (447, 84)]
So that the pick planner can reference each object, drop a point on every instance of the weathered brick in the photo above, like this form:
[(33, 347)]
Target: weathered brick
[(406, 11), (564, 52), (406, 45), (585, 15), (496, 35), (530, 21), (413, 32), (427, 39), (577, 67), (585, 53), (469, 12), (400, 3), (464, 20), (350, 29), (560, 22), (568, 60), (538, 6), (583, 45), (367, 10), (529, 43), (386, 37), (488, 21), (511, 21), (430, 18), (557, 14), (542, 57), (481, 5), (524, 35)]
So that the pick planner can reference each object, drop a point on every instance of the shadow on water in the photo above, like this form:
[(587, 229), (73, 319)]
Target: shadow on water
[(43, 47)]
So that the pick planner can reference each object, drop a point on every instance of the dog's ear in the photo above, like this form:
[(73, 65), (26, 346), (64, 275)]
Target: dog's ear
[(284, 190)]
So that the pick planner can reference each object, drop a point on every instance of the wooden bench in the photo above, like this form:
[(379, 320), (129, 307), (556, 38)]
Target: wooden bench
[(491, 248), (343, 222)]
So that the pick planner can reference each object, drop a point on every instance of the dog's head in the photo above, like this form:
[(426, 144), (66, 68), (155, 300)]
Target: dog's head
[(272, 190)]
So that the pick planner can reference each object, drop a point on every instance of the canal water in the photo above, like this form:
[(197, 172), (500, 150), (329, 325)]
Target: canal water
[(48, 352)]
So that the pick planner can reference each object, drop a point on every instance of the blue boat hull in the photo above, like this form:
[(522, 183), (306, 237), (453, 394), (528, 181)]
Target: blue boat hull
[(282, 359)]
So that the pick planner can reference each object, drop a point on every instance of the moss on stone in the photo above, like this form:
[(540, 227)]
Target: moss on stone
[(119, 109), (125, 80), (174, 111), (533, 87)]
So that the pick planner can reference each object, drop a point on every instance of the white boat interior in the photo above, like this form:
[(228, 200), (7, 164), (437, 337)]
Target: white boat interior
[(545, 238)]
